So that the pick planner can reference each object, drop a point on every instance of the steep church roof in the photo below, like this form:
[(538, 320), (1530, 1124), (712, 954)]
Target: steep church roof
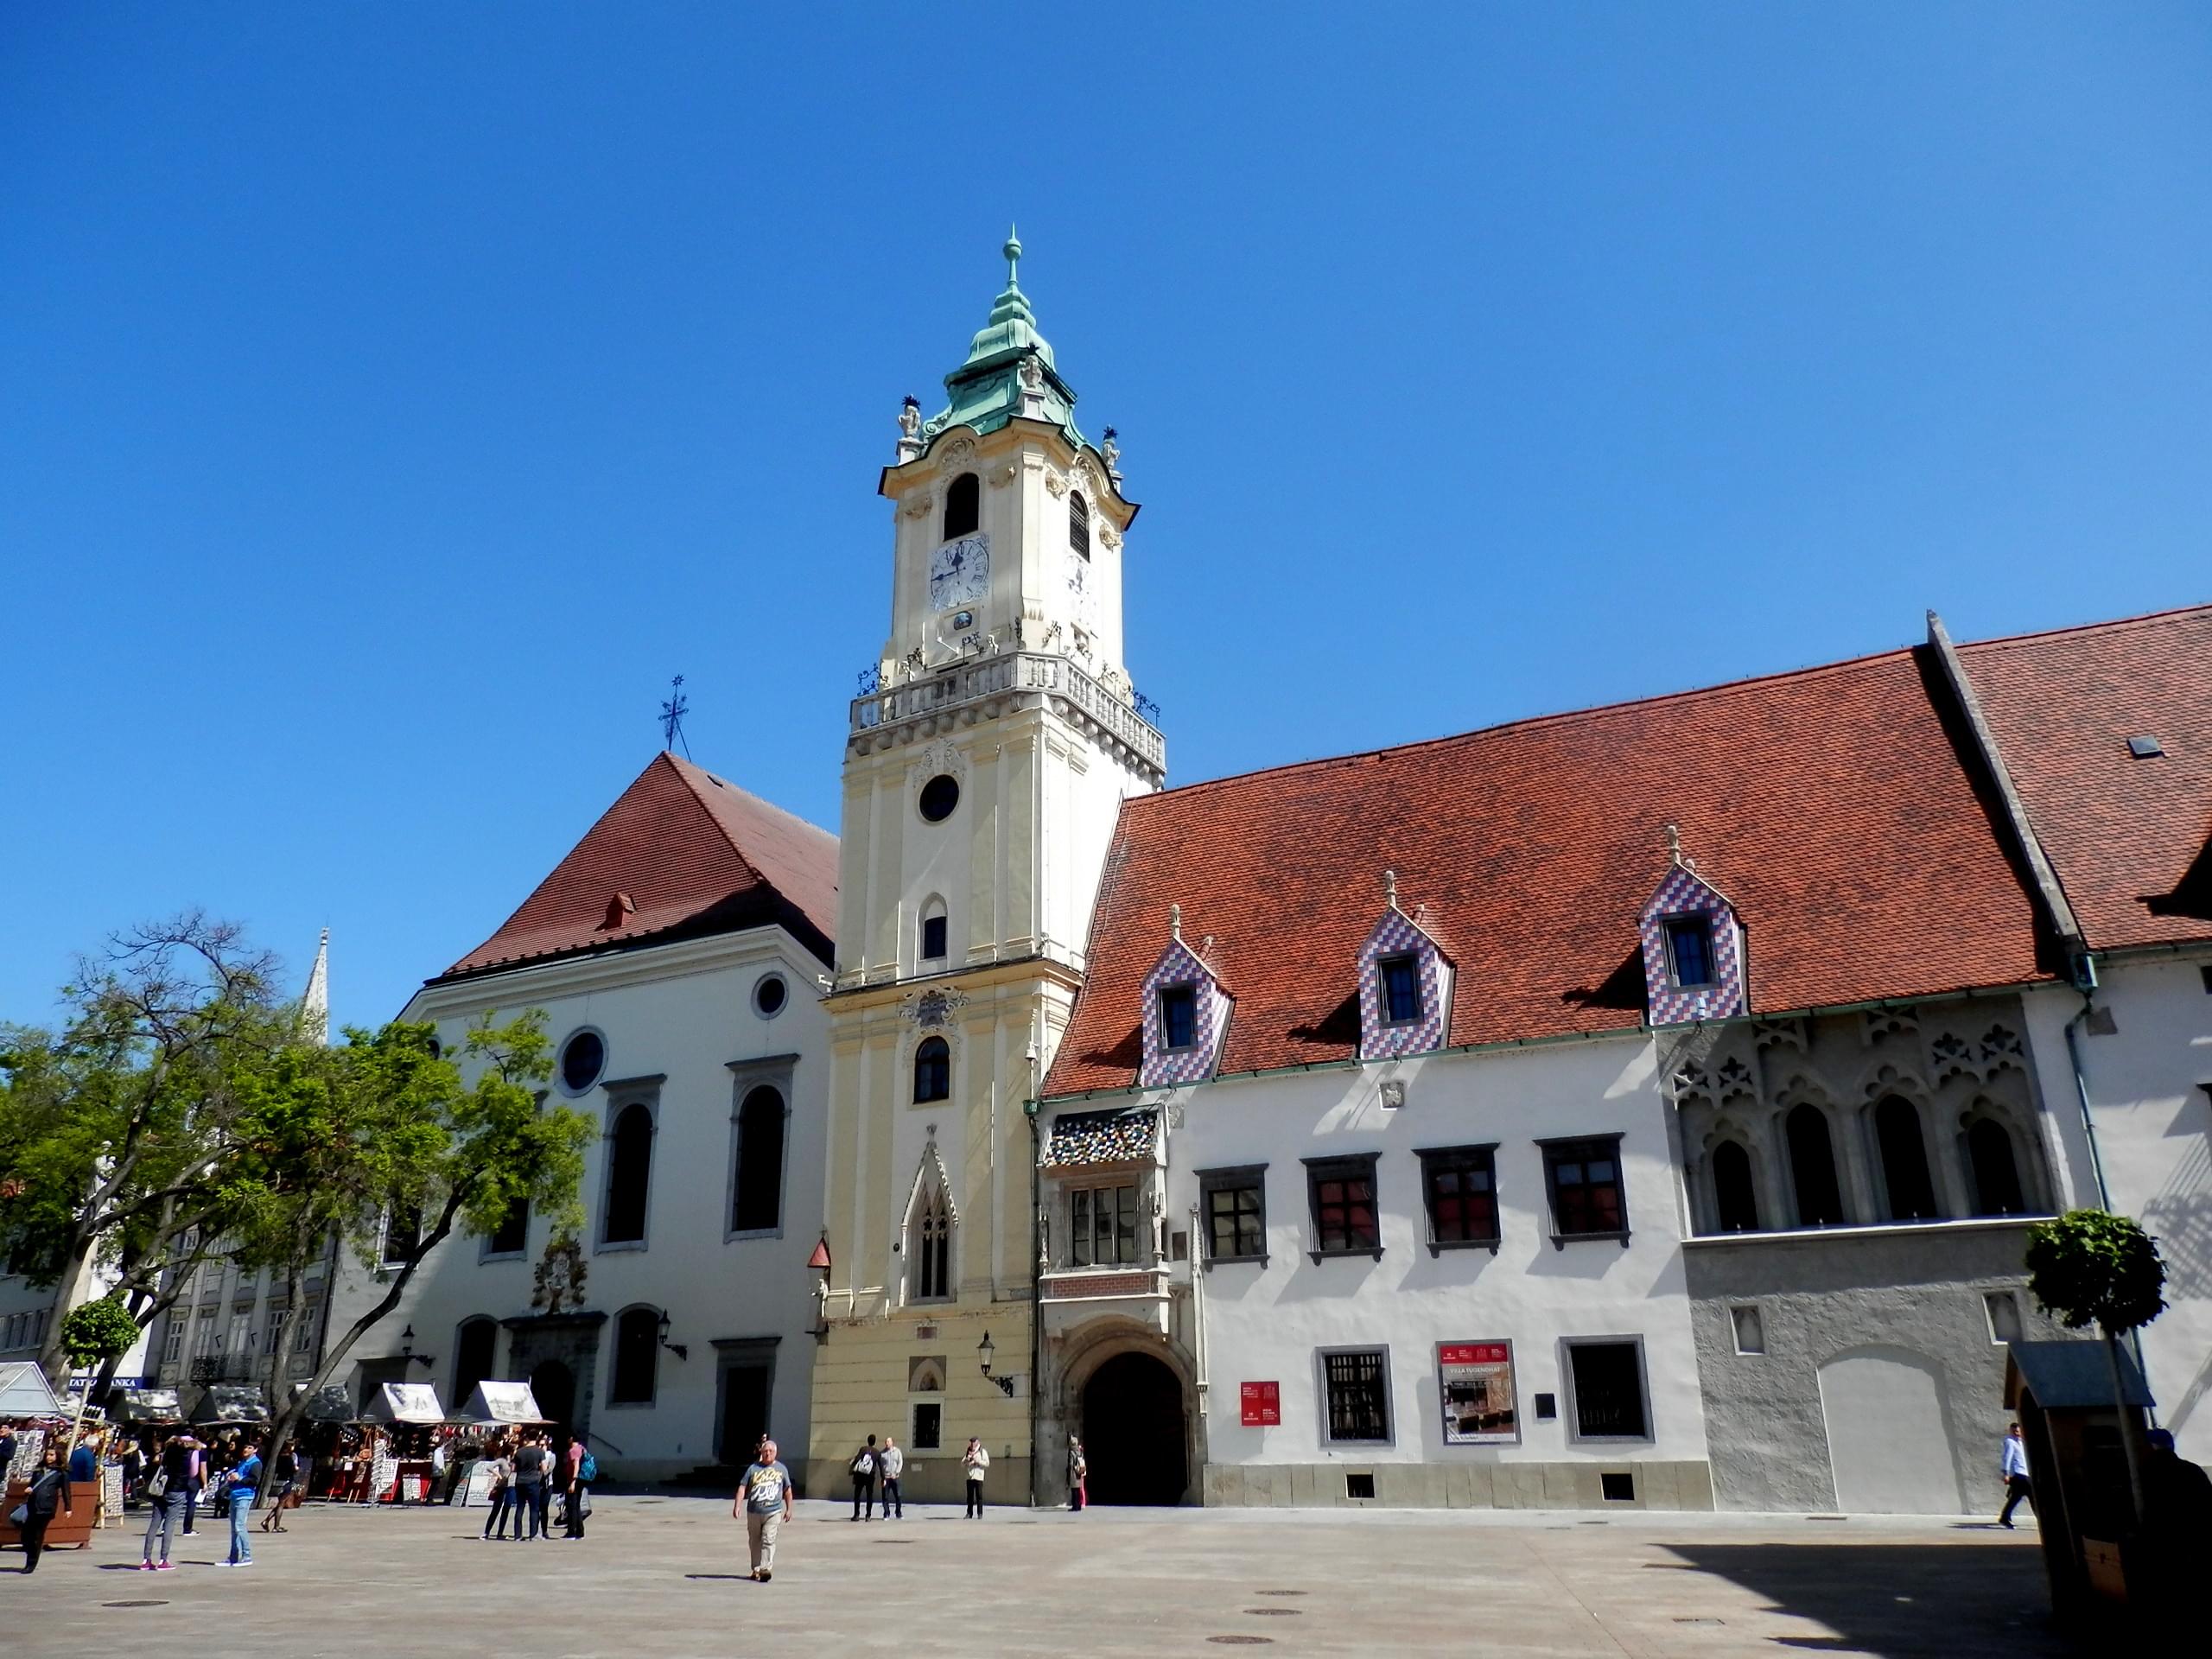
[(1838, 808), (681, 853), (2129, 835)]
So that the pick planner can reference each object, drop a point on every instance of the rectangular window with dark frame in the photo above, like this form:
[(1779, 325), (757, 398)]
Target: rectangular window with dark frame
[(1459, 1185), (1586, 1181), (1103, 1226), (1179, 1016), (1608, 1379), (1400, 989), (511, 1235), (1236, 1205), (932, 938), (929, 1426), (1343, 1194), (1689, 949), (1356, 1385)]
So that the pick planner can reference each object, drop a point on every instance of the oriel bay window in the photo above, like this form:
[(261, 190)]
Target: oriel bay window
[(1588, 1200), (1236, 1206), (1103, 1226), (1341, 1192), (1460, 1186)]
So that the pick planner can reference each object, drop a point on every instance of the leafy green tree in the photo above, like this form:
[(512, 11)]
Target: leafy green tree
[(340, 1139), (2089, 1267), (116, 1129), (95, 1333)]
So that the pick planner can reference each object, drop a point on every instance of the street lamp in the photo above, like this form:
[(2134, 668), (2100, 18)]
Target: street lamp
[(984, 1350), (676, 1348), (407, 1349)]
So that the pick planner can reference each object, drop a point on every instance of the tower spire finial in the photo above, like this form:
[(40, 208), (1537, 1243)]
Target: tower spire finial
[(1013, 251)]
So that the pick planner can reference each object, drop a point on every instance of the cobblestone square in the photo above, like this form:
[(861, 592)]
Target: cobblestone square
[(666, 1576)]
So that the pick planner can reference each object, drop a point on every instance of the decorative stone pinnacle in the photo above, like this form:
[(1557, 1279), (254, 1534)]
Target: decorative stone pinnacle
[(1175, 922), (1391, 887), (1674, 850)]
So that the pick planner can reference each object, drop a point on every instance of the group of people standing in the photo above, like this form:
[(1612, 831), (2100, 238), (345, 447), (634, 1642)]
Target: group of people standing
[(525, 1479), (183, 1469)]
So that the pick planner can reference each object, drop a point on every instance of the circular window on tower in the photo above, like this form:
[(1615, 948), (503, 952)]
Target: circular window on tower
[(769, 996), (939, 795), (583, 1057)]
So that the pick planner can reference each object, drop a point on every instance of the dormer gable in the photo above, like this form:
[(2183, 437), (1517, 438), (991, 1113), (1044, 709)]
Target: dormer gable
[(1693, 947), (1185, 1013), (1405, 984)]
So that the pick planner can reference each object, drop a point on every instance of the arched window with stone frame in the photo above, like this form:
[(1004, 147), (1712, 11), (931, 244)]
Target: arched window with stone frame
[(1901, 1160), (932, 940), (1078, 524), (964, 506), (629, 1176), (932, 1071), (1735, 1192), (635, 1376), (2003, 1176), (1813, 1180)]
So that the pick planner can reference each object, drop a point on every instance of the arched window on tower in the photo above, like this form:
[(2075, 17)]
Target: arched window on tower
[(929, 1247), (475, 1351), (629, 1175), (933, 943), (1905, 1160), (636, 1356), (1735, 1201), (1812, 1168), (1078, 524), (932, 1071), (758, 1204), (1996, 1166), (964, 506)]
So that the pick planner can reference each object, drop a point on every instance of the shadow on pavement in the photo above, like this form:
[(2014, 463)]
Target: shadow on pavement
[(1900, 1601)]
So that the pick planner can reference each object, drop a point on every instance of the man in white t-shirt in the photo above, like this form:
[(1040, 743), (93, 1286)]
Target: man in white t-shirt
[(891, 1462), (977, 1463)]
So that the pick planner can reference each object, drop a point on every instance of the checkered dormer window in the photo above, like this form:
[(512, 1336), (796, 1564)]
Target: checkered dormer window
[(1404, 989), (1692, 950), (1186, 1016)]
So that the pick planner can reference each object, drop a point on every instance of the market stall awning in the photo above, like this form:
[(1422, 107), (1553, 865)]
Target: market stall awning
[(151, 1405), (493, 1404), (331, 1403), (24, 1391), (403, 1402), (2071, 1375), (231, 1402)]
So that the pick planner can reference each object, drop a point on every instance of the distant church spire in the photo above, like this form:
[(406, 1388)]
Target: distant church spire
[(314, 1002)]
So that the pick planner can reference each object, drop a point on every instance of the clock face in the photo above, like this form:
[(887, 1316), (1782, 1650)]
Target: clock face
[(960, 573), (1081, 599)]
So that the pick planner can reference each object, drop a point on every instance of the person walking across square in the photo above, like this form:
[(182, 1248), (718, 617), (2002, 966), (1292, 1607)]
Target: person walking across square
[(245, 1480), (49, 1488), (582, 1469), (893, 1462), (2013, 1464), (862, 1469), (975, 1462), (764, 1498)]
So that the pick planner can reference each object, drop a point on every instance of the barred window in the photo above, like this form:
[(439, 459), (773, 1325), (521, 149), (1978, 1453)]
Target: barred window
[(1357, 1381), (1078, 526)]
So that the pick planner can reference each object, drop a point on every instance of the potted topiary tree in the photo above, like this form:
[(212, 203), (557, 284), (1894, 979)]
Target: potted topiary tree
[(2089, 1267), (93, 1333)]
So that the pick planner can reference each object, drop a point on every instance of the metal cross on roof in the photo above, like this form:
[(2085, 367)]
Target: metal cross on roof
[(671, 717)]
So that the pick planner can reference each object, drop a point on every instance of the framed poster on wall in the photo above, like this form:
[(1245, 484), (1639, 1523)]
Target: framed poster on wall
[(1476, 1382), (1260, 1404)]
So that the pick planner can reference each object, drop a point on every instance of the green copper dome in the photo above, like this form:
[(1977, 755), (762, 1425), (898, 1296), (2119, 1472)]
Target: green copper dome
[(987, 391)]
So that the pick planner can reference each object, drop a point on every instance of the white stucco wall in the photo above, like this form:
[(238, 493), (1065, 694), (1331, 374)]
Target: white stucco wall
[(2146, 1085), (684, 1011), (1269, 1322)]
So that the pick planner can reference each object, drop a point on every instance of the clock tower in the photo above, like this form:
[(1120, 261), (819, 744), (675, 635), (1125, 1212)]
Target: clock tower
[(985, 762)]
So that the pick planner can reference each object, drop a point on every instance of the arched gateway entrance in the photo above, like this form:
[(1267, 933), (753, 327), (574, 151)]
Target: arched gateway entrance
[(1135, 1432)]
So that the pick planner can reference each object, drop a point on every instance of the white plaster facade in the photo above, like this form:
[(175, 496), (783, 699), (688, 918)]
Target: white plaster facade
[(684, 1035), (2148, 1078)]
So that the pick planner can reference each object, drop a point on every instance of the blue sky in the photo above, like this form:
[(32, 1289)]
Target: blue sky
[(398, 396)]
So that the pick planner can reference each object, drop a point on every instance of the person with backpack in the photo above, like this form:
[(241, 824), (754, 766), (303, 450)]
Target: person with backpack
[(863, 1473), (165, 1496), (583, 1469)]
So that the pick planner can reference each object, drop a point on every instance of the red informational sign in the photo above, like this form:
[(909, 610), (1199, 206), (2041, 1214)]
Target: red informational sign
[(1474, 1353), (1262, 1403)]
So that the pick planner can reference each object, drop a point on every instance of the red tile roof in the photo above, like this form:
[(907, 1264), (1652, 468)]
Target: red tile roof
[(693, 855), (1832, 805), (2129, 838)]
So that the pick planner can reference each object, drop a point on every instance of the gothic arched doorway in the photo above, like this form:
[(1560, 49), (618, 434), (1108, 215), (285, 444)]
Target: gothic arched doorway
[(553, 1386), (1135, 1432)]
